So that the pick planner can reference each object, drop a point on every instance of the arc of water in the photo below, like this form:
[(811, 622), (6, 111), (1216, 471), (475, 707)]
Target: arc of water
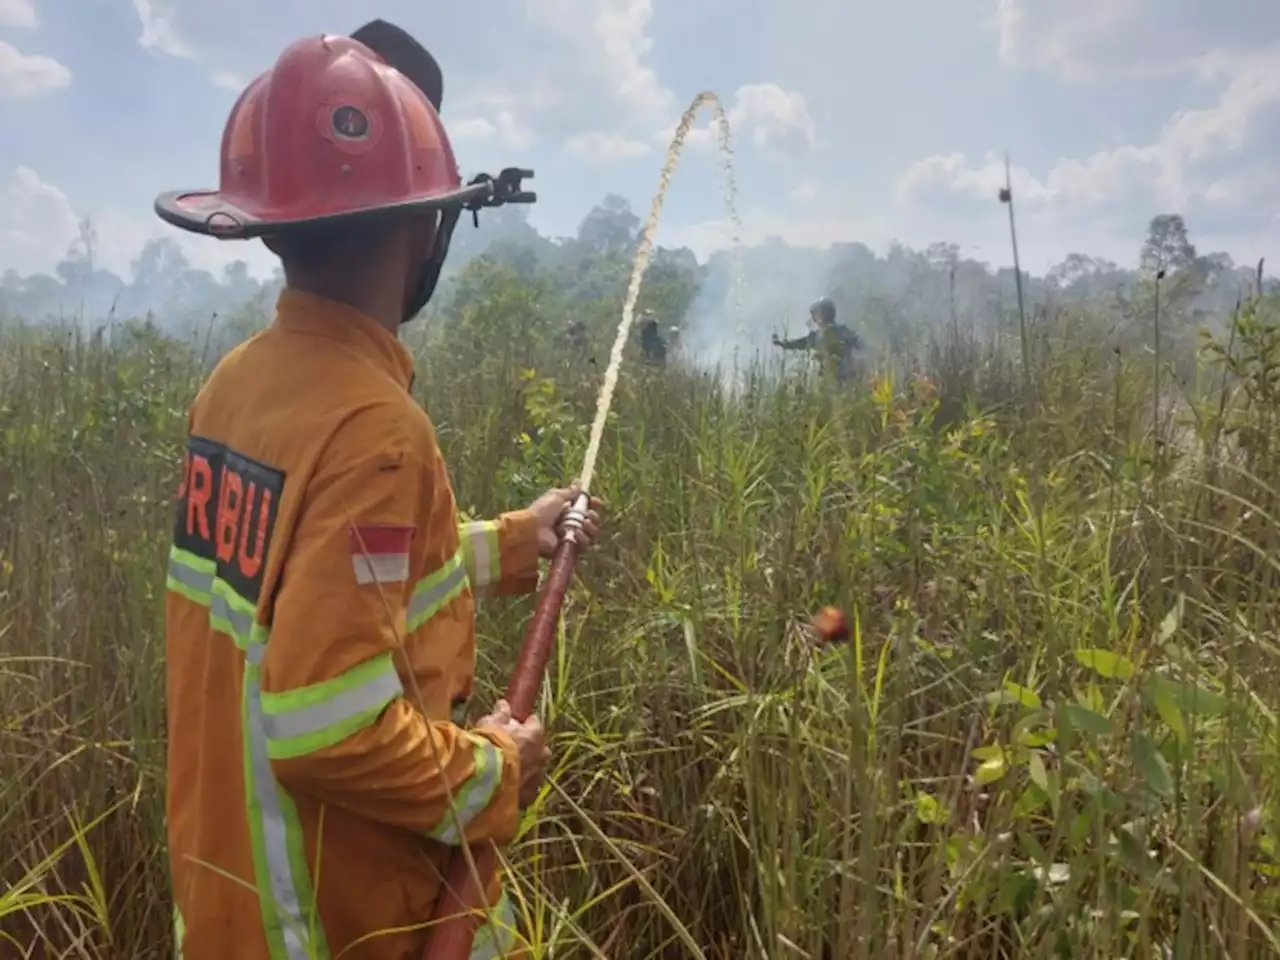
[(645, 251)]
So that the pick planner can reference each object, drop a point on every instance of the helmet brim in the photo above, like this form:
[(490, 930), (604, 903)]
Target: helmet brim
[(212, 214)]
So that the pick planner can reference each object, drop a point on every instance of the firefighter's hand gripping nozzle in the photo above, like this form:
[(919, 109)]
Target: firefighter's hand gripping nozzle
[(575, 517), (505, 188)]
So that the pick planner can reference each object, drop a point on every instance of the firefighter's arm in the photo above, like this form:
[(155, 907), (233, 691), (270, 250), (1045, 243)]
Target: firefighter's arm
[(799, 343), (337, 723), (501, 555)]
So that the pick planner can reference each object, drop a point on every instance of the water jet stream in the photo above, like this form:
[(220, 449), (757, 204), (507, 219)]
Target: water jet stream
[(454, 930), (645, 250)]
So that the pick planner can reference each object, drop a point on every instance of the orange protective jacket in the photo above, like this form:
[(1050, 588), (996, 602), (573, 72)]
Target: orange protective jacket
[(320, 588)]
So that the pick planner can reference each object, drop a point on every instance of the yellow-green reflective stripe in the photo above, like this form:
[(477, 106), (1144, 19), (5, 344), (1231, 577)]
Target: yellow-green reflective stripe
[(179, 932), (496, 937), (297, 722), (473, 795), (481, 550), (284, 882), (190, 576), (435, 590), (292, 929), (231, 613), (196, 579)]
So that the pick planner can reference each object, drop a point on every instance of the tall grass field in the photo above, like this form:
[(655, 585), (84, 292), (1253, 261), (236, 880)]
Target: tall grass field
[(1052, 734)]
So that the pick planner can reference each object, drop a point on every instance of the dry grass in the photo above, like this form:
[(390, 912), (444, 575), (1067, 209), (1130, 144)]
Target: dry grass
[(1054, 733)]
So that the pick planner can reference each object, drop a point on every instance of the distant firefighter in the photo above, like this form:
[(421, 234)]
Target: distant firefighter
[(834, 343), (651, 342), (576, 334)]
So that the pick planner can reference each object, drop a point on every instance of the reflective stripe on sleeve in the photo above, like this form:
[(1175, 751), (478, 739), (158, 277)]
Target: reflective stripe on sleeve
[(481, 550), (302, 721), (473, 795), (434, 591)]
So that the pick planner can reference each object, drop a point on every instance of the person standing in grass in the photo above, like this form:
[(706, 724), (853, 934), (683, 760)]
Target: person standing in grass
[(651, 342), (320, 615), (834, 343)]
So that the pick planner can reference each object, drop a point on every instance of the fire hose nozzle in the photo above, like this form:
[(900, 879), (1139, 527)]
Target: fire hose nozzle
[(575, 517)]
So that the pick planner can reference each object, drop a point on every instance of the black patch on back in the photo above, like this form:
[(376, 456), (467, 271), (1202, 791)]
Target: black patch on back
[(227, 508)]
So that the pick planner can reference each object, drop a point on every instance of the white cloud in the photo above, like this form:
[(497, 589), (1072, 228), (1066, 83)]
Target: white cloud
[(37, 223), (158, 31), (17, 13), (805, 191), (502, 124), (1063, 36), (1253, 84), (610, 41), (24, 76), (777, 119), (229, 81), (1167, 172), (476, 128), (774, 119), (1092, 40), (159, 34), (513, 131), (605, 147)]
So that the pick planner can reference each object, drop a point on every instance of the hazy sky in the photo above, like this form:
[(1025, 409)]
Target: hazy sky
[(852, 120)]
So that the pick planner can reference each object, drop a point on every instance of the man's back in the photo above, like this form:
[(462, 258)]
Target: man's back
[(287, 715)]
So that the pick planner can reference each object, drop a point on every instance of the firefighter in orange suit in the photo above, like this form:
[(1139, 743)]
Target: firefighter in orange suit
[(319, 619)]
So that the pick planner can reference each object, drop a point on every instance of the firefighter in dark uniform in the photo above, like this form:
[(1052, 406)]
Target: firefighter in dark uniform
[(651, 342), (834, 343)]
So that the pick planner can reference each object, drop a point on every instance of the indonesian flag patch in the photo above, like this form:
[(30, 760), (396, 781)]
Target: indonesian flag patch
[(380, 553)]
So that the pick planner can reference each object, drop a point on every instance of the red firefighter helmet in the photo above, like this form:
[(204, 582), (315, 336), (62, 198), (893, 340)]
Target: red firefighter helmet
[(331, 132)]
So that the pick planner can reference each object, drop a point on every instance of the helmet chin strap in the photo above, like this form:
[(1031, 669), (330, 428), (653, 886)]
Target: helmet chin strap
[(429, 275), (506, 187)]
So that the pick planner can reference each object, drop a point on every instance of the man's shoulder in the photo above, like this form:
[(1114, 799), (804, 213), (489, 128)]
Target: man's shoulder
[(391, 424), (332, 421)]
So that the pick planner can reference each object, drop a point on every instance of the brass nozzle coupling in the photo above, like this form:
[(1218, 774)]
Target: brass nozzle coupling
[(575, 516)]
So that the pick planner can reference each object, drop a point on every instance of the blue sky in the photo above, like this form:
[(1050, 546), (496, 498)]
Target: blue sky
[(851, 120)]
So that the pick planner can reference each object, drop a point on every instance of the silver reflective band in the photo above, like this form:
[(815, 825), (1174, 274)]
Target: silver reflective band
[(373, 694)]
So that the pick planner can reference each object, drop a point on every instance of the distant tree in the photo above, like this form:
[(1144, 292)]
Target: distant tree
[(1167, 246), (160, 261), (610, 227), (942, 256)]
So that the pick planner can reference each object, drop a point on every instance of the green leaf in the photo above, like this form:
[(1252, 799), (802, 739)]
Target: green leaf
[(992, 752), (1035, 767), (1040, 738), (1152, 765), (1032, 799), (1191, 698), (1168, 710), (1106, 664), (1085, 720), (928, 810), (1023, 695), (989, 771)]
